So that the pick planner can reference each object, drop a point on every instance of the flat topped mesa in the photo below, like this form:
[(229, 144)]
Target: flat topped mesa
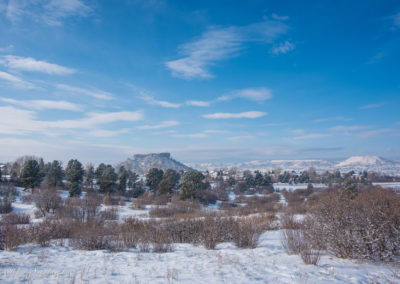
[(155, 155), (142, 163)]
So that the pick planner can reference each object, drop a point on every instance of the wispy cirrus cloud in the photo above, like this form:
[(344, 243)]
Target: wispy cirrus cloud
[(220, 43), (22, 122), (43, 104), (395, 21), (94, 93), (227, 115), (283, 47), (372, 106), (30, 64), (15, 81), (335, 118), (198, 103), (376, 58), (312, 136), (152, 101), (375, 132), (49, 12), (163, 124), (348, 128), (253, 94), (193, 135), (240, 137), (108, 133)]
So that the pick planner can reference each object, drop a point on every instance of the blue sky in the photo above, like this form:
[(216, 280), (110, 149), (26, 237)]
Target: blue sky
[(205, 80)]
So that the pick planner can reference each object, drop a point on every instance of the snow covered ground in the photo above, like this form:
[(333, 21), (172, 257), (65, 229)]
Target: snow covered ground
[(267, 263), (293, 187)]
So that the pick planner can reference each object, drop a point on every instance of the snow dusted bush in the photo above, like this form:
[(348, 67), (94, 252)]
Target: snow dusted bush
[(365, 226)]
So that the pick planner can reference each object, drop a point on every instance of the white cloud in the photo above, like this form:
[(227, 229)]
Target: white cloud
[(50, 12), (349, 128), (396, 20), (215, 131), (163, 124), (22, 122), (16, 82), (198, 103), (279, 18), (376, 132), (218, 44), (17, 121), (43, 104), (283, 48), (253, 94), (243, 137), (195, 135), (298, 131), (31, 65), (372, 106), (94, 119), (312, 136), (152, 101), (225, 115), (95, 93), (336, 118), (376, 58), (107, 133)]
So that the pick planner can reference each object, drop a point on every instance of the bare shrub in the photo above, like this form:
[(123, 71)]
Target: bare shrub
[(27, 198), (246, 232), (363, 227), (11, 237), (177, 207), (109, 214), (81, 209), (222, 191), (161, 240), (43, 233), (110, 200), (8, 190), (47, 201), (291, 240), (288, 221), (129, 232), (92, 235), (142, 201), (5, 205), (308, 254), (15, 218)]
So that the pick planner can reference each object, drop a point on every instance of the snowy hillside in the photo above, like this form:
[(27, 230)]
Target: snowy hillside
[(356, 163), (366, 161)]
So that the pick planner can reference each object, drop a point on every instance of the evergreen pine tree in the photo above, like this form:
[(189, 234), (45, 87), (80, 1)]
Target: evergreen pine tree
[(74, 176), (31, 175)]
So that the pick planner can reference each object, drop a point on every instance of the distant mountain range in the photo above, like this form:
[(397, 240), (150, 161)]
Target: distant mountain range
[(142, 163), (356, 163)]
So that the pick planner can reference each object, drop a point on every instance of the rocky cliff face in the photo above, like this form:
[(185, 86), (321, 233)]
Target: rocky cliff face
[(142, 163)]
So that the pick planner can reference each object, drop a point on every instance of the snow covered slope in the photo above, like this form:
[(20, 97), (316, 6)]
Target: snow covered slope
[(366, 161), (356, 163)]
